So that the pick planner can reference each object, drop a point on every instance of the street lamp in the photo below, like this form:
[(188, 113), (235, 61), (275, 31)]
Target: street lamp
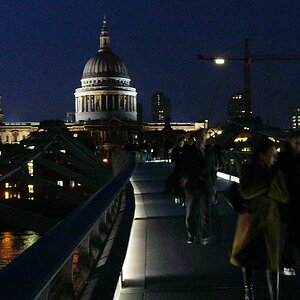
[(247, 59), (220, 61)]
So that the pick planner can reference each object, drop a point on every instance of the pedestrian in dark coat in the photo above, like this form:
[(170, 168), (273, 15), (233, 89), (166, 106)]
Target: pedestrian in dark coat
[(289, 164), (176, 158), (155, 148), (256, 242), (198, 179)]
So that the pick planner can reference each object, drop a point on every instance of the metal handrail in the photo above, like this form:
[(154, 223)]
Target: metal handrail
[(30, 275)]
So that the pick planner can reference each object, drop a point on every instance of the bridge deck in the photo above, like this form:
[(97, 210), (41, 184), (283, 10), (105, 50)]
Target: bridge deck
[(161, 265)]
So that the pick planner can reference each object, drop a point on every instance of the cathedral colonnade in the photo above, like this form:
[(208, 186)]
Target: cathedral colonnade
[(103, 103)]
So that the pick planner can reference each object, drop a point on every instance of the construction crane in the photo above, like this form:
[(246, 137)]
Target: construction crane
[(247, 59)]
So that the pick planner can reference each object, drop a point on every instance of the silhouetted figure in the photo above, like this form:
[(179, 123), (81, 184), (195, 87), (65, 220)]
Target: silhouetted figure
[(256, 242), (146, 150), (155, 148), (289, 164), (198, 179), (176, 158), (167, 146)]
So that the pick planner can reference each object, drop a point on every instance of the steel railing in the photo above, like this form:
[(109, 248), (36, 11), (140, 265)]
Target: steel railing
[(59, 263)]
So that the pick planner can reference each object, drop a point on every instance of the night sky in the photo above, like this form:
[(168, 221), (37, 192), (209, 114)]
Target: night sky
[(45, 44)]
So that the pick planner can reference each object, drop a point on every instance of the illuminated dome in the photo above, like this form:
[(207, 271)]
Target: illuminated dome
[(105, 64), (105, 91)]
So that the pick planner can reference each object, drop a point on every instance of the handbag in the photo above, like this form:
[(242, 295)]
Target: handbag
[(234, 199)]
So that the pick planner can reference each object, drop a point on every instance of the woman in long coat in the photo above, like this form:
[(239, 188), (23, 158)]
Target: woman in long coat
[(256, 242)]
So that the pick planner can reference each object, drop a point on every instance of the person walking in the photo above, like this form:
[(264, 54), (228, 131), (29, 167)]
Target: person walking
[(256, 241), (198, 179), (289, 164), (176, 158)]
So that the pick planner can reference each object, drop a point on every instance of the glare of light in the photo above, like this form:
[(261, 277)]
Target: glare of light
[(105, 160), (219, 61), (223, 175), (30, 188), (228, 177)]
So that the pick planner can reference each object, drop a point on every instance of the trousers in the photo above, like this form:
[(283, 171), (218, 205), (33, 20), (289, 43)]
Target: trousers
[(197, 208)]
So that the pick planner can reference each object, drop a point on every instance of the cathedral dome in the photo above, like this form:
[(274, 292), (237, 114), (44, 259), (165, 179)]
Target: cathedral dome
[(105, 64), (105, 91)]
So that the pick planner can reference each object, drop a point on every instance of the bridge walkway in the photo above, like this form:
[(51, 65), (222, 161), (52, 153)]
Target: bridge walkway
[(160, 265)]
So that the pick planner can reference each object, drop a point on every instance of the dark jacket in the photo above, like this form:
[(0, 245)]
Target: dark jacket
[(176, 158), (256, 242), (289, 164), (199, 169)]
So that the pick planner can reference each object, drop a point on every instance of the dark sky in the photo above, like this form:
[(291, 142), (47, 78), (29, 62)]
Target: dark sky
[(44, 45)]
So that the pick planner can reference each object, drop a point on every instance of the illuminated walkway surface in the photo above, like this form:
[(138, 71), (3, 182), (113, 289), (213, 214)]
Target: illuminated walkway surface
[(161, 266)]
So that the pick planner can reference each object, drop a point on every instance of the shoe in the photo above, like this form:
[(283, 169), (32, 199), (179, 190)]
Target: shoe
[(190, 240), (205, 241), (249, 294), (289, 272)]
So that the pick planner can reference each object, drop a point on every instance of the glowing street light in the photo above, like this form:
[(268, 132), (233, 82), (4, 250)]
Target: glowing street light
[(219, 61)]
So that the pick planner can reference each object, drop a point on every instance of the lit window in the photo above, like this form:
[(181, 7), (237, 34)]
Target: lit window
[(30, 147), (75, 135), (7, 185), (6, 195), (240, 139), (63, 150), (60, 182), (72, 183), (30, 168), (30, 188)]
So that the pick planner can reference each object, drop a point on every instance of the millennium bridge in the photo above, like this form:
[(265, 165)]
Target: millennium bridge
[(125, 238)]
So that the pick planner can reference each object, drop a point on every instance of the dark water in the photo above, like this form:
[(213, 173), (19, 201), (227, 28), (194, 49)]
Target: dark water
[(13, 241)]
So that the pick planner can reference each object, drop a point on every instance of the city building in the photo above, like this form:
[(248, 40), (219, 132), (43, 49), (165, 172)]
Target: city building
[(107, 114), (238, 107), (14, 132), (296, 118), (160, 108), (105, 91)]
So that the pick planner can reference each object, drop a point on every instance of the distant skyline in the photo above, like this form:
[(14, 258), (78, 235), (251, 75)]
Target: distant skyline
[(45, 45)]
